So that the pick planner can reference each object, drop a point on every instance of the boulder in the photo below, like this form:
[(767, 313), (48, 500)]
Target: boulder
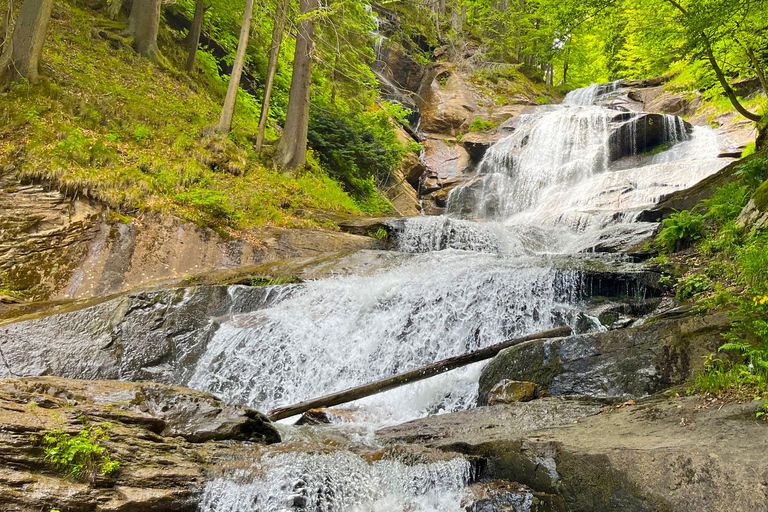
[(635, 134), (444, 158), (477, 143), (500, 496), (619, 364), (755, 213), (448, 103), (509, 391)]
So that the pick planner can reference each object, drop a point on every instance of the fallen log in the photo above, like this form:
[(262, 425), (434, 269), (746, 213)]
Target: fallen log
[(406, 378)]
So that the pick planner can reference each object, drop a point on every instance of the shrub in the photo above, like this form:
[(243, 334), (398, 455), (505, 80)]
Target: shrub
[(754, 261), (478, 125), (693, 285), (80, 456), (753, 172), (680, 230), (213, 202), (726, 203)]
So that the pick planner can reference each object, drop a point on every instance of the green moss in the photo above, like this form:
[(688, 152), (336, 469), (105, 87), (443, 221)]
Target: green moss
[(761, 197)]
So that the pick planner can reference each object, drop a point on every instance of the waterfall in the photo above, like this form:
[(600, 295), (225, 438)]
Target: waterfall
[(339, 482), (481, 275)]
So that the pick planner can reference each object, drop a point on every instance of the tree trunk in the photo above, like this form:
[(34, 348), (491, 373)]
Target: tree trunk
[(21, 56), (758, 69), (228, 111), (113, 11), (281, 15), (193, 39), (409, 377), (726, 86), (292, 149), (6, 17), (456, 17), (143, 26)]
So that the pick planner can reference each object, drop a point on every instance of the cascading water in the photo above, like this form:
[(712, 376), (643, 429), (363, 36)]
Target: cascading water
[(557, 185)]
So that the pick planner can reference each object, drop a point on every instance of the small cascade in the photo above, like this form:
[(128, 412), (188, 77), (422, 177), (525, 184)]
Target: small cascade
[(439, 233), (339, 482), (587, 96)]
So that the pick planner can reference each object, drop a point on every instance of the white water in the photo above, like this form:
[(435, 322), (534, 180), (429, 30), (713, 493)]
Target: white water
[(550, 187), (339, 481)]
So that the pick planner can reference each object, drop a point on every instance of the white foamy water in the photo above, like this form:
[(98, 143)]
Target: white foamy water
[(556, 185), (339, 482)]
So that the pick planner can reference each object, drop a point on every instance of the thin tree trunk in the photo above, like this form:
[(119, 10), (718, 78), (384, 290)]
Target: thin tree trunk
[(456, 17), (143, 26), (409, 377), (193, 39), (6, 18), (292, 149), (758, 69), (281, 15), (21, 56), (228, 111), (113, 11)]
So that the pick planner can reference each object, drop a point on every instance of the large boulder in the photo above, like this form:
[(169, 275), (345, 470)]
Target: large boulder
[(638, 133), (619, 364)]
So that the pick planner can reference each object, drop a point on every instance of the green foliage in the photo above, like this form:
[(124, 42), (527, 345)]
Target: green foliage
[(692, 285), (749, 149), (79, 456), (478, 125), (217, 204), (754, 261), (754, 171), (680, 230), (726, 204), (356, 149)]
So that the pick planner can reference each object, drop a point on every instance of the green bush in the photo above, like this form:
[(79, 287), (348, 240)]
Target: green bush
[(79, 456), (726, 203), (681, 229), (478, 125), (357, 149), (693, 285), (753, 172), (754, 261), (215, 203)]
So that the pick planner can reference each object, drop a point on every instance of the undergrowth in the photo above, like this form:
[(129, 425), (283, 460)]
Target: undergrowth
[(730, 270), (105, 123)]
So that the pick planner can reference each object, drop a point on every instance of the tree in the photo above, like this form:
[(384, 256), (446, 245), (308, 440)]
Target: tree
[(281, 15), (193, 38), (6, 18), (292, 148), (228, 111), (143, 25), (21, 55)]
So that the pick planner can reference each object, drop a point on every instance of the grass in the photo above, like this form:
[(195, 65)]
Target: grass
[(107, 124)]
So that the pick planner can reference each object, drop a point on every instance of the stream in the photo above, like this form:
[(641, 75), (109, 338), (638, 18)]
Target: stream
[(563, 189)]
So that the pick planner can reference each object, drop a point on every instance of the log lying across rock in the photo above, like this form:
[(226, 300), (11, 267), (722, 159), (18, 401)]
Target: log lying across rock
[(409, 377)]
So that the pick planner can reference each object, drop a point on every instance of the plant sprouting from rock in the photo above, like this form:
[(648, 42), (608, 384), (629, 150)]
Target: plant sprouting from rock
[(80, 456)]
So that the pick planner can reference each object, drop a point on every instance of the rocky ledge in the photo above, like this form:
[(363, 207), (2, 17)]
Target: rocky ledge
[(165, 439), (665, 454)]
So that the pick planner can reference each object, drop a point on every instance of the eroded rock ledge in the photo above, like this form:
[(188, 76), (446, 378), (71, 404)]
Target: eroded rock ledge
[(166, 439)]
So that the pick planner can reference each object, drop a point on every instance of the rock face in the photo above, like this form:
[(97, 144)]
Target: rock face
[(54, 247), (155, 432), (663, 455), (154, 336), (641, 133), (624, 363)]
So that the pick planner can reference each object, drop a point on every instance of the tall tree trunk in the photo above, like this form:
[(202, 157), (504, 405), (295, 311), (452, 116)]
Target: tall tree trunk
[(228, 111), (143, 26), (281, 15), (565, 64), (21, 56), (456, 17), (193, 38), (292, 149), (758, 69)]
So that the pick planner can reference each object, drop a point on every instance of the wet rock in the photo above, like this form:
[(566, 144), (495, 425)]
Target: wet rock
[(640, 133), (443, 159), (679, 454), (500, 496), (477, 143), (510, 391), (325, 416), (688, 198), (160, 469), (620, 364)]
